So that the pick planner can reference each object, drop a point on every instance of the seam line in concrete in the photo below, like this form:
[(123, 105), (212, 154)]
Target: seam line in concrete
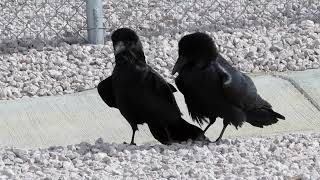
[(299, 88)]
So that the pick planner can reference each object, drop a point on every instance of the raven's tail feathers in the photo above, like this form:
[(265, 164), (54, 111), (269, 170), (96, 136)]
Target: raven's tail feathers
[(263, 117)]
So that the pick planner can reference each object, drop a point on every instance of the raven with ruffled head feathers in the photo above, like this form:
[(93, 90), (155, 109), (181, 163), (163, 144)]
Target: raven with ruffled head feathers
[(142, 95), (213, 88)]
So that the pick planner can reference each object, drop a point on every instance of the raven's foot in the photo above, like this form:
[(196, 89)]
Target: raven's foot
[(132, 143)]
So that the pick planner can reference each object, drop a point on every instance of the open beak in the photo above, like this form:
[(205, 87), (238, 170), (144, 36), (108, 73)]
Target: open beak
[(179, 64)]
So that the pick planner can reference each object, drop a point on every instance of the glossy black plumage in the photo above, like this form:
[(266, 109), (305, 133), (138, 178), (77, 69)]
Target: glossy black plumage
[(142, 95), (213, 88)]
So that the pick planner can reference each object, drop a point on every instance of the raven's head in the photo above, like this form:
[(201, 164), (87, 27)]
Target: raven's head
[(126, 40), (197, 49)]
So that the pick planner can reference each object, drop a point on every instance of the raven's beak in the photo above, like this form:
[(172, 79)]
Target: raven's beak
[(179, 64), (119, 47)]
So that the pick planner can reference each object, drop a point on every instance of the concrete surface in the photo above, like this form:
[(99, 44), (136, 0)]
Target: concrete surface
[(71, 119), (309, 82)]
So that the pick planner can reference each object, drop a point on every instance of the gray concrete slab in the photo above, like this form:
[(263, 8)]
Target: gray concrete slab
[(62, 120), (70, 119), (309, 82)]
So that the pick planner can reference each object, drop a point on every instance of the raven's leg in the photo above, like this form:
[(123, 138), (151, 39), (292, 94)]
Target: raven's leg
[(134, 129), (170, 141), (223, 129), (132, 138), (211, 121)]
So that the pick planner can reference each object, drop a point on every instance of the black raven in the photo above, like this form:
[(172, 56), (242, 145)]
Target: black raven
[(142, 95), (213, 88)]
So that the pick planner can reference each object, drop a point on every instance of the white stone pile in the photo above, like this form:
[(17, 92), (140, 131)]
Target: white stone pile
[(293, 156), (254, 36), (73, 68)]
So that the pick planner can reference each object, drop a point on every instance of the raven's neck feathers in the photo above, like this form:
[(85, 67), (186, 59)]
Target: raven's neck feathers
[(131, 57)]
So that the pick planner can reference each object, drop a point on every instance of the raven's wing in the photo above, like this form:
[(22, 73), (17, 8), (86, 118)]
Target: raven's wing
[(160, 86), (105, 91), (160, 81), (238, 88), (193, 109)]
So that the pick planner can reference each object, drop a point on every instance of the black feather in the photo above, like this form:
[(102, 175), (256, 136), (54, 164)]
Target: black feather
[(142, 95), (105, 91), (213, 88)]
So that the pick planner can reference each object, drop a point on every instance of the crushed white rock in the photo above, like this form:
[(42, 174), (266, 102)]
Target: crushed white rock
[(278, 157), (288, 38), (73, 68)]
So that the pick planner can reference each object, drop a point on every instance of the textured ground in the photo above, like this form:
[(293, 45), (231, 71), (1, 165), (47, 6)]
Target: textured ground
[(254, 37), (67, 69), (278, 157)]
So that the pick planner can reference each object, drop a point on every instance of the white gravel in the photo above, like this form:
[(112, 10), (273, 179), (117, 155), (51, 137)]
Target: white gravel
[(268, 36), (277, 157), (278, 36), (73, 68)]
